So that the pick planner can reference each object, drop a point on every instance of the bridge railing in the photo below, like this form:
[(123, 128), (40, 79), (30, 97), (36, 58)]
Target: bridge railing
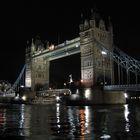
[(134, 87)]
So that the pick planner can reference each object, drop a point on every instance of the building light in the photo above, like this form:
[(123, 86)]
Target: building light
[(87, 93), (125, 95), (77, 45), (57, 98), (51, 47), (28, 82), (24, 98), (103, 52), (22, 86)]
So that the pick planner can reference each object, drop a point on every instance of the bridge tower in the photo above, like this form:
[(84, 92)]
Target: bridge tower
[(96, 64), (37, 75)]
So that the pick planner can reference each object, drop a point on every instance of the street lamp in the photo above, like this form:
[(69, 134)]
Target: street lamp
[(103, 54)]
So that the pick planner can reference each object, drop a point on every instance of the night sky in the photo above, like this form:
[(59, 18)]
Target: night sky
[(22, 21)]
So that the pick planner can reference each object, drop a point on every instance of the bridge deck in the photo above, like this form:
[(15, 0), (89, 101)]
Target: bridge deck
[(133, 87)]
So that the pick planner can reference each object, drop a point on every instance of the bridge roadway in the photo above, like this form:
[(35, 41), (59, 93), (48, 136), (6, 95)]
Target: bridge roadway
[(131, 87), (62, 50)]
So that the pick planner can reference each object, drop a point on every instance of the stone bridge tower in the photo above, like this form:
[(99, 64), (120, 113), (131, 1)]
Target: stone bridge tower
[(96, 63), (37, 75)]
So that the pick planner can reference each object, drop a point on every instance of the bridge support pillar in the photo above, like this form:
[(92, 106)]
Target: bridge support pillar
[(114, 97), (107, 97)]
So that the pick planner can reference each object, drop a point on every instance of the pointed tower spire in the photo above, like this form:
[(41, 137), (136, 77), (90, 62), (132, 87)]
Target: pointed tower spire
[(92, 14), (92, 21), (82, 18), (27, 42), (110, 25), (81, 26), (32, 41), (95, 13), (32, 46), (110, 28)]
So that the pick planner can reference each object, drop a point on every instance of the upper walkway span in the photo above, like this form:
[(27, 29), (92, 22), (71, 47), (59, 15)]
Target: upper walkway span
[(62, 50)]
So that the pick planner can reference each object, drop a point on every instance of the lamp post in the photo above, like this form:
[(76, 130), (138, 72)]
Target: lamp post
[(103, 54)]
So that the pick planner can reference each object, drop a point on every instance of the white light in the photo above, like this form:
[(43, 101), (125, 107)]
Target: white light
[(103, 52), (87, 93), (77, 45), (125, 95), (17, 97), (87, 116), (74, 96), (126, 113), (51, 47), (58, 112), (105, 136), (70, 78), (28, 82), (57, 98), (24, 98)]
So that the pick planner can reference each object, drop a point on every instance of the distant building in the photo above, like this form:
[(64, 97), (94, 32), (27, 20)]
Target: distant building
[(4, 86)]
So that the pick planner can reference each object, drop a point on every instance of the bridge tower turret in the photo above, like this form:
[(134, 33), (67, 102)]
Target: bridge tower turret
[(33, 48), (28, 58), (37, 68), (96, 65)]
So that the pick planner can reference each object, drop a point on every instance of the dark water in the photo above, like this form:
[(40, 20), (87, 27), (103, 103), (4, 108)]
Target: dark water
[(60, 122)]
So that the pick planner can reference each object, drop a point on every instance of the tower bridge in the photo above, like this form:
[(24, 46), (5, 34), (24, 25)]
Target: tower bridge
[(102, 63), (96, 66)]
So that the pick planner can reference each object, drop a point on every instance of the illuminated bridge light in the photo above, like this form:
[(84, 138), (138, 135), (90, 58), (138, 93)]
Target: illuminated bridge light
[(125, 95)]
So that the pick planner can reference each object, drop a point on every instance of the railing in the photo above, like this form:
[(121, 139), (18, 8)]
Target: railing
[(133, 87)]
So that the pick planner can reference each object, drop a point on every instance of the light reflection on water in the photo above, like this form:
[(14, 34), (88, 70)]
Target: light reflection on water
[(57, 121), (14, 120), (126, 113)]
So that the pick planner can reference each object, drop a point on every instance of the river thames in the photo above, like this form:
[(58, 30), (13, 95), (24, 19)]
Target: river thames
[(61, 122)]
